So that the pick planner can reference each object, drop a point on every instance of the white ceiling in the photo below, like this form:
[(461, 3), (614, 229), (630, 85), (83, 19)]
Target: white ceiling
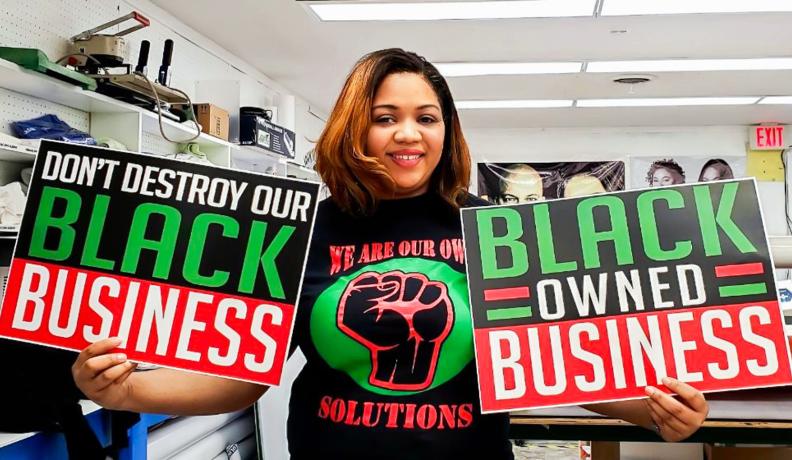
[(287, 42)]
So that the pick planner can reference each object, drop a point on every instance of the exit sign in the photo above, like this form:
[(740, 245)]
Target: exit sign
[(767, 137)]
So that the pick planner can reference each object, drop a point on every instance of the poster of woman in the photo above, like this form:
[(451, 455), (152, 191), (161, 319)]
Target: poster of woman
[(672, 170)]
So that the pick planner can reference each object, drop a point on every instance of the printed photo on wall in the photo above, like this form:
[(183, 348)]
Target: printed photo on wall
[(671, 170), (511, 183)]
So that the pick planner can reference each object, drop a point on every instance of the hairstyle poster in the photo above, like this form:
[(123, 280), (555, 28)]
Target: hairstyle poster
[(673, 170), (513, 183)]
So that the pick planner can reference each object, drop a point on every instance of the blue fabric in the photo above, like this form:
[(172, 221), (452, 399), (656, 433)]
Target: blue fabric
[(50, 127)]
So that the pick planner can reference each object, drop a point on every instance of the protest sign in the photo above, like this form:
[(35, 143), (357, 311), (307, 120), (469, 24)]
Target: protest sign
[(195, 267), (591, 299)]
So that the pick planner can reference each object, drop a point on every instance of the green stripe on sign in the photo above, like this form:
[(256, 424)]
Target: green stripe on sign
[(508, 313), (743, 289)]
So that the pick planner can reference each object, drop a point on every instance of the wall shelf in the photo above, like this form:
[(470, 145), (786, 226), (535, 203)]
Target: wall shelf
[(109, 117)]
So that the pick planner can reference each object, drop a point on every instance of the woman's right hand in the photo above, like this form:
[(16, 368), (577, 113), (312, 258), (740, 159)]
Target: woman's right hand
[(103, 376)]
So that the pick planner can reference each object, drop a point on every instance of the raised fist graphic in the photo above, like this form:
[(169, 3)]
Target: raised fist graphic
[(403, 319)]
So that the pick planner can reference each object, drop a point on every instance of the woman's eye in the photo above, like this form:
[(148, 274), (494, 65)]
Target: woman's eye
[(427, 119), (385, 119)]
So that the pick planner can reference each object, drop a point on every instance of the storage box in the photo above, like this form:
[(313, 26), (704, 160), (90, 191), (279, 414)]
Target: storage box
[(213, 120), (258, 131), (747, 453)]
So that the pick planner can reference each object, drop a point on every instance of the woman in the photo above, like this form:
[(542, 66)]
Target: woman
[(665, 172), (715, 169), (383, 318)]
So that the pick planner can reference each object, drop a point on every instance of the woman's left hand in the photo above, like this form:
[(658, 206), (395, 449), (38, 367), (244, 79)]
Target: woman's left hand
[(676, 419)]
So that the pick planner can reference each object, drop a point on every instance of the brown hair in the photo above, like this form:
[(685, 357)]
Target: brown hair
[(356, 180)]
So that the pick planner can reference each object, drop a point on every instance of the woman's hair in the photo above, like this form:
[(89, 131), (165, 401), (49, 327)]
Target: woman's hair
[(356, 180), (723, 168), (668, 164)]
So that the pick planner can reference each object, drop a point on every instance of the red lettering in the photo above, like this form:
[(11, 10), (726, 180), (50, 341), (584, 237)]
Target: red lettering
[(447, 415), (389, 249), (459, 250), (335, 259), (429, 248), (761, 137), (445, 249), (404, 248), (376, 252), (398, 416), (465, 415), (349, 257), (337, 410), (393, 413), (367, 410), (409, 416), (352, 418), (427, 417), (324, 406), (364, 255)]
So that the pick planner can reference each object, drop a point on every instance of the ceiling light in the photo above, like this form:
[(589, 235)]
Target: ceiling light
[(666, 101), (514, 104), (688, 65), (776, 100), (433, 11), (633, 7), (467, 69)]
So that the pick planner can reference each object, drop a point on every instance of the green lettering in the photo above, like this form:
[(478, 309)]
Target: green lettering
[(590, 237), (488, 243), (94, 236), (709, 220), (649, 234), (196, 245), (164, 247), (46, 221), (255, 255), (544, 238)]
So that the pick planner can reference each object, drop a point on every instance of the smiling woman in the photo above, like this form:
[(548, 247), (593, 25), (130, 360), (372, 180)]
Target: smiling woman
[(407, 132), (384, 319)]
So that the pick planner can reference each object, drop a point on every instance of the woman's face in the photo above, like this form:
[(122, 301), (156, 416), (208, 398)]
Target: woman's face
[(662, 177), (407, 132), (711, 173)]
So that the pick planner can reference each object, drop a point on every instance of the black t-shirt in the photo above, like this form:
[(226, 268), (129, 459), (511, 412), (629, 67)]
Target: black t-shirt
[(384, 322)]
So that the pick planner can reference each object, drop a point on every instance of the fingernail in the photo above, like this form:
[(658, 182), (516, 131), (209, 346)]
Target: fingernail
[(120, 357), (668, 381), (115, 340), (650, 390)]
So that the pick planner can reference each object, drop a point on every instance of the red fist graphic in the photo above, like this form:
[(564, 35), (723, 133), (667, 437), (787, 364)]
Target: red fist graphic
[(403, 320)]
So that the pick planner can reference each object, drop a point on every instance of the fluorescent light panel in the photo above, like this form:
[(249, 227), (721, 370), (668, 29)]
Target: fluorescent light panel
[(666, 101), (645, 7), (514, 104), (776, 100), (433, 11), (690, 65), (467, 69)]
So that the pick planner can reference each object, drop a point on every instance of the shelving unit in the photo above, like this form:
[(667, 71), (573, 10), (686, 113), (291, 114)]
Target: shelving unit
[(110, 118)]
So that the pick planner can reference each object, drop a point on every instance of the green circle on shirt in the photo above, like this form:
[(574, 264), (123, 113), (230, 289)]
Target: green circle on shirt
[(343, 353)]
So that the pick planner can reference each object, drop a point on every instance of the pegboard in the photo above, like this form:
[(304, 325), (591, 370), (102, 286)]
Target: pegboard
[(154, 143), (15, 106), (48, 24)]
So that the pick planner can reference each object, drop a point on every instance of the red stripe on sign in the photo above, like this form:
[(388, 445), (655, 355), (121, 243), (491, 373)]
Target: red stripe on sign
[(165, 324), (522, 292), (755, 268)]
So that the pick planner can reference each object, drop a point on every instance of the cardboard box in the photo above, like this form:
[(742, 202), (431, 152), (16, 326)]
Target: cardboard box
[(213, 120), (747, 453)]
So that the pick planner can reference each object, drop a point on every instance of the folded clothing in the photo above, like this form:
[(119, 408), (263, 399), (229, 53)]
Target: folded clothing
[(50, 127)]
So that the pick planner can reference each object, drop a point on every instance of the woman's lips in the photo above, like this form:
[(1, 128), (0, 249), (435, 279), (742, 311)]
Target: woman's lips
[(406, 159)]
